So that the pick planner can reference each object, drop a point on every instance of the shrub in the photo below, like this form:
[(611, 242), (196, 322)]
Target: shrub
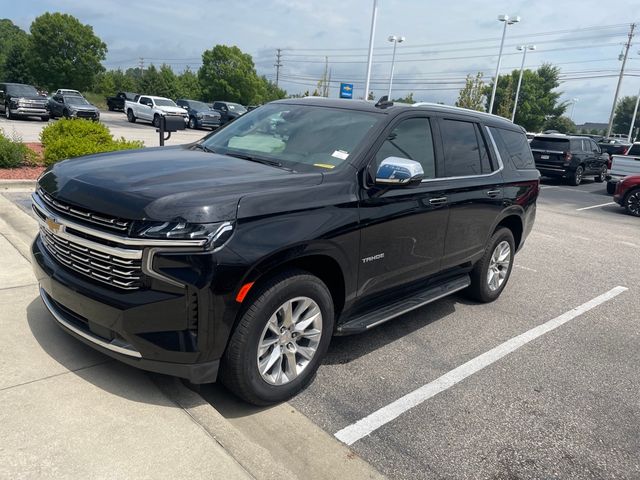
[(14, 153), (69, 138)]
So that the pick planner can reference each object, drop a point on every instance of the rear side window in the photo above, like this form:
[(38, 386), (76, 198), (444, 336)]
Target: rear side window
[(514, 145), (551, 144), (634, 150), (464, 152)]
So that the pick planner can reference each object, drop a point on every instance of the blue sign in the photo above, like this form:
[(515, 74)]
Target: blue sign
[(346, 90)]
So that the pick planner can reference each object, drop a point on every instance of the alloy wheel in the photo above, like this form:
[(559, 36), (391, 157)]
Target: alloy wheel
[(7, 112), (499, 265), (289, 341), (633, 203), (578, 175)]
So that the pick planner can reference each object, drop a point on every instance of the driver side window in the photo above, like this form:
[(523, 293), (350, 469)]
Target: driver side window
[(411, 139)]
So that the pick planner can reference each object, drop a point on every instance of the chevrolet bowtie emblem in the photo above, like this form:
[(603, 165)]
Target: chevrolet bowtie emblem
[(53, 225)]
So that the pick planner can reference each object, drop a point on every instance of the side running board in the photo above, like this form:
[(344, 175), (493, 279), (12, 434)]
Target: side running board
[(388, 312)]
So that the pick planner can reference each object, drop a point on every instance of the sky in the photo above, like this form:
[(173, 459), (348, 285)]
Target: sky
[(444, 41)]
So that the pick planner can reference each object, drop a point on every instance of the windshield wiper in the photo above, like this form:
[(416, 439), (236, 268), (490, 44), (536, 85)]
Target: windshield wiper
[(202, 147), (264, 161)]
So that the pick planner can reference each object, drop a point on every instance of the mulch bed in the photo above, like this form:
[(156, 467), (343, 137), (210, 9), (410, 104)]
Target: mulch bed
[(27, 172)]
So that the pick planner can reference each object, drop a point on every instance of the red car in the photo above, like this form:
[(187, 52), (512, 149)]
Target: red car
[(627, 194)]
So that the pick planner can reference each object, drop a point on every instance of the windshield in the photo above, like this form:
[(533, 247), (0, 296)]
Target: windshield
[(75, 100), (199, 106), (300, 137), (20, 90), (236, 107), (542, 143), (164, 102)]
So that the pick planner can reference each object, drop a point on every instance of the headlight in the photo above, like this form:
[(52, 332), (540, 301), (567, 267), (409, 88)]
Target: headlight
[(199, 115), (73, 112), (217, 233)]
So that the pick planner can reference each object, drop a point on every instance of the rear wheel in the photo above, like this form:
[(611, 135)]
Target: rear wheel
[(602, 175), (632, 202), (110, 107), (280, 340), (576, 177), (491, 274), (130, 116)]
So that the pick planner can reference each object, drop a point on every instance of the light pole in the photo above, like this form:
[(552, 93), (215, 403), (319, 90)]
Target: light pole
[(507, 21), (633, 119), (372, 35), (396, 41), (573, 105), (524, 49)]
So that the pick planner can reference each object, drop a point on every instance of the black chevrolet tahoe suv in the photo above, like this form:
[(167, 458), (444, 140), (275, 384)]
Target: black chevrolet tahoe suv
[(569, 157), (242, 254)]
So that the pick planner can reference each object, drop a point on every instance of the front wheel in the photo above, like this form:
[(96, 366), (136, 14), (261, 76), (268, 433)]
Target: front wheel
[(156, 121), (632, 202), (130, 116), (7, 112), (281, 338), (576, 177), (602, 175), (192, 123), (45, 118), (491, 274)]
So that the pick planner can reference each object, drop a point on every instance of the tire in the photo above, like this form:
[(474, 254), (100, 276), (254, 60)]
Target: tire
[(65, 113), (632, 202), (192, 123), (130, 116), (110, 107), (480, 289), (575, 178), (601, 177), (240, 371), (45, 118), (611, 188), (156, 121), (7, 112)]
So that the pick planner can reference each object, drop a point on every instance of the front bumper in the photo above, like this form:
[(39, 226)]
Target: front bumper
[(132, 327), (29, 112), (208, 122)]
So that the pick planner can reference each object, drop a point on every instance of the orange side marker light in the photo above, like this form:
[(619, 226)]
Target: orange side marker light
[(243, 292)]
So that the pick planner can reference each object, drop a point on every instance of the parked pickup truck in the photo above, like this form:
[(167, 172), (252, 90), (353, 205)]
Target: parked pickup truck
[(117, 101), (622, 166), (246, 251), (152, 109)]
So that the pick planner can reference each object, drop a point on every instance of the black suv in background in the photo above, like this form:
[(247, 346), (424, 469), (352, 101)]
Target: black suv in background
[(19, 100), (228, 110), (200, 114), (245, 252), (117, 101), (569, 157)]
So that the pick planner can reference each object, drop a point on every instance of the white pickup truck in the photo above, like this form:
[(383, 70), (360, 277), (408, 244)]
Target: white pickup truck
[(622, 166), (151, 109)]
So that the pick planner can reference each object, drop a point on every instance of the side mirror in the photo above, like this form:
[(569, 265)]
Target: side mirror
[(399, 172)]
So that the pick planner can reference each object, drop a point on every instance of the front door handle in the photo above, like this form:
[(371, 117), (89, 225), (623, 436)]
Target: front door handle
[(493, 193), (438, 200)]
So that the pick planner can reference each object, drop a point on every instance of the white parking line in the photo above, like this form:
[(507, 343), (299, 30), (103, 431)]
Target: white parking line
[(526, 268), (595, 206), (377, 419)]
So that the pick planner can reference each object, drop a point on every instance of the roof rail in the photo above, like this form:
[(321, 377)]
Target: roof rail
[(450, 107)]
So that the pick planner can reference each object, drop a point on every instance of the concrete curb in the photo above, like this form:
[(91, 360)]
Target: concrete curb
[(17, 227), (18, 184), (257, 461)]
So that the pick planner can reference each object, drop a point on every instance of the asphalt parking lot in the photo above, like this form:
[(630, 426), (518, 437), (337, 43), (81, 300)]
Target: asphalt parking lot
[(29, 129), (563, 403)]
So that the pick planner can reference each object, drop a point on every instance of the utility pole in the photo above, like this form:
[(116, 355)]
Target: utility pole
[(278, 64), (624, 62), (325, 91), (141, 65)]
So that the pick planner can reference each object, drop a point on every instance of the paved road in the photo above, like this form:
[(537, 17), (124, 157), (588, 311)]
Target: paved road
[(564, 405), (29, 129)]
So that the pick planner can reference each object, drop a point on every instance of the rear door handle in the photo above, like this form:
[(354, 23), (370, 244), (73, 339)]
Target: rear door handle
[(438, 200), (494, 193)]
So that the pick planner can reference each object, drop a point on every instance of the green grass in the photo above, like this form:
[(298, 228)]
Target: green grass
[(98, 99)]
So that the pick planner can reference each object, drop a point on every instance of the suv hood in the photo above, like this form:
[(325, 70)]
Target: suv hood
[(166, 183), (178, 110)]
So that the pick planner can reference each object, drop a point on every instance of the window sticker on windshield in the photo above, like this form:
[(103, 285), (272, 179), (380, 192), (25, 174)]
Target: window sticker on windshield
[(341, 154), (323, 165)]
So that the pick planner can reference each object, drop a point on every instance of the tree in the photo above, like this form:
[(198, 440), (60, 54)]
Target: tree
[(623, 114), (229, 74), (14, 41), (188, 85), (472, 94), (64, 52), (538, 99), (269, 92), (561, 124), (406, 99)]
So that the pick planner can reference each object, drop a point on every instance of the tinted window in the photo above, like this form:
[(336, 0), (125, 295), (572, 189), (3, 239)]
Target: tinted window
[(514, 145), (550, 143), (484, 153), (145, 100), (634, 150), (411, 139), (461, 149), (576, 145)]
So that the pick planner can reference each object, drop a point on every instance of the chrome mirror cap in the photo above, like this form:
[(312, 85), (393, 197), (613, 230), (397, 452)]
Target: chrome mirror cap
[(399, 171)]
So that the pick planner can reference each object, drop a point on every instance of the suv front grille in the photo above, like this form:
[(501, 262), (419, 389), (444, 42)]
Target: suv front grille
[(117, 271), (112, 223)]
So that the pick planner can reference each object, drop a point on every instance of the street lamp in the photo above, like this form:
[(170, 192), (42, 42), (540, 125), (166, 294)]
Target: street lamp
[(396, 41), (524, 49), (507, 21), (372, 35), (573, 105)]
